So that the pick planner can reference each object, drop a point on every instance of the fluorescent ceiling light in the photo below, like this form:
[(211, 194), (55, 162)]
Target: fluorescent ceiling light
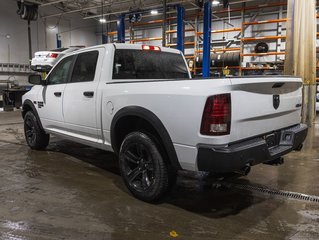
[(215, 2), (154, 12), (102, 20)]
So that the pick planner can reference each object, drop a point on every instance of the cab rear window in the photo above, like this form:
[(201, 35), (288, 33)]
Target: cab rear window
[(139, 64)]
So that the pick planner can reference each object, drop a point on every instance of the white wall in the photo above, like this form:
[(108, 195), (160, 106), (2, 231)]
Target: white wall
[(72, 29)]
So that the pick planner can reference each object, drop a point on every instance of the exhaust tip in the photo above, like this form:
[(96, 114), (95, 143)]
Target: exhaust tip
[(276, 162), (244, 171)]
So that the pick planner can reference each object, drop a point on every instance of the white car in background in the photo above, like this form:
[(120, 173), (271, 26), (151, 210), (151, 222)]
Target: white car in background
[(43, 61)]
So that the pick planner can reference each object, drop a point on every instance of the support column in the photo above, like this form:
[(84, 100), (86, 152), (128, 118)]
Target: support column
[(207, 38), (164, 24), (121, 29), (104, 38), (29, 42), (300, 57), (180, 28), (58, 41)]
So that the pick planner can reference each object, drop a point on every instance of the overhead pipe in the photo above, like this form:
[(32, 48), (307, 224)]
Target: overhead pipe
[(191, 9), (151, 7), (51, 3), (87, 8)]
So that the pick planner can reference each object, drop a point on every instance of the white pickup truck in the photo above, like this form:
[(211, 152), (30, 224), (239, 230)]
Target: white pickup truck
[(140, 102)]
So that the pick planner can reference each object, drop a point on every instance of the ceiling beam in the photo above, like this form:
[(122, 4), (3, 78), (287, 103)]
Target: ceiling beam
[(144, 8), (44, 4), (35, 2), (83, 9), (51, 3)]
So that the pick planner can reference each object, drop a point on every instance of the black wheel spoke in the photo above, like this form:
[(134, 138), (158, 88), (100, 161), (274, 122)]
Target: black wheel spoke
[(139, 149), (131, 157), (29, 133), (29, 124), (133, 174), (145, 180), (139, 177), (149, 163), (33, 138)]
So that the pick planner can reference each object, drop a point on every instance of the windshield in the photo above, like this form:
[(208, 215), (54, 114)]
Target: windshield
[(139, 64)]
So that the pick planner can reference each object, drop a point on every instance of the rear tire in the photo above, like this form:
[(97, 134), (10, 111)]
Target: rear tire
[(34, 135), (143, 168)]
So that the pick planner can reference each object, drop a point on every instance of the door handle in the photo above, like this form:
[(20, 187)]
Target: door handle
[(57, 94), (88, 94)]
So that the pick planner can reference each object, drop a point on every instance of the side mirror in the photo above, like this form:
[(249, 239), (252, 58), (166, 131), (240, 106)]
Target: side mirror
[(36, 79)]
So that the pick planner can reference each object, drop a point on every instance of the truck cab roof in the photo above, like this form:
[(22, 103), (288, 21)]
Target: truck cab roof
[(130, 47)]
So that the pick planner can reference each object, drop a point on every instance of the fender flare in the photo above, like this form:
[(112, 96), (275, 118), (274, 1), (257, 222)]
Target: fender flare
[(30, 104), (157, 125)]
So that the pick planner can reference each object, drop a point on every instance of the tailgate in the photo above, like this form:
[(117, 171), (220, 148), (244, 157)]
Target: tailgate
[(263, 104)]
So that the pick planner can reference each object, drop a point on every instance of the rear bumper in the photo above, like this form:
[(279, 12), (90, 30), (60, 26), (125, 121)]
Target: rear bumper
[(251, 152)]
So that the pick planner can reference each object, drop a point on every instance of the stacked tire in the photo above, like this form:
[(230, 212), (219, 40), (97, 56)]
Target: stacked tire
[(221, 59)]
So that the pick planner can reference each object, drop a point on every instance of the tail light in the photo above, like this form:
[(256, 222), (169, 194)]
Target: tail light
[(152, 48), (52, 55), (216, 119)]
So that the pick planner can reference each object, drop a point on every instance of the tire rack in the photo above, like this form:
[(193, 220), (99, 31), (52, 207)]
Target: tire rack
[(199, 50), (243, 40), (278, 38)]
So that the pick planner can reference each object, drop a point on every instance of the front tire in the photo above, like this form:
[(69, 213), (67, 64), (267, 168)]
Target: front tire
[(144, 171), (34, 135)]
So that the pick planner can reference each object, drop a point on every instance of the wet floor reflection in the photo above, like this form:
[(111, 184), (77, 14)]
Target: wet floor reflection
[(195, 192), (71, 191)]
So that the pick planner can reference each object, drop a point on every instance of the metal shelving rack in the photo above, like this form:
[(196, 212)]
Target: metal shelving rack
[(245, 40), (15, 68), (196, 17), (278, 38)]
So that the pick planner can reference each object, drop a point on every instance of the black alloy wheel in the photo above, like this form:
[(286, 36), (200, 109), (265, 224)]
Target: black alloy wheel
[(35, 136), (139, 167), (143, 168), (30, 131)]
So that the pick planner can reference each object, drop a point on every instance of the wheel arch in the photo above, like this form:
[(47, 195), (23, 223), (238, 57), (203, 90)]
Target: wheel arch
[(131, 117), (29, 106)]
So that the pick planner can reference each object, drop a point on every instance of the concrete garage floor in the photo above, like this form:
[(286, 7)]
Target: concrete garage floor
[(75, 192)]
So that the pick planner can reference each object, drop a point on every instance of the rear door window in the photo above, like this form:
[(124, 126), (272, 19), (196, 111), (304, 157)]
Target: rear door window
[(84, 67), (139, 64)]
